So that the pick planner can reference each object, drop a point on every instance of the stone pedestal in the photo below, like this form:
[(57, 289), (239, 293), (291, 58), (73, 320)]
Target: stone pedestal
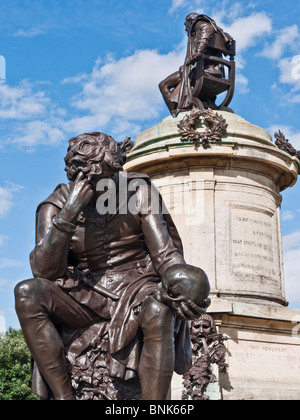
[(225, 202), (263, 352)]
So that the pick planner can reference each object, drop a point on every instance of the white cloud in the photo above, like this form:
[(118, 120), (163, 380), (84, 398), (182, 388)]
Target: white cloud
[(119, 94), (289, 69), (291, 241), (3, 282), (29, 32), (36, 120), (6, 202), (287, 76), (284, 41), (197, 6), (296, 67), (123, 92), (116, 96), (248, 30), (241, 83), (74, 79), (21, 102), (38, 132), (291, 246), (176, 4), (3, 239), (2, 323), (288, 215), (7, 198)]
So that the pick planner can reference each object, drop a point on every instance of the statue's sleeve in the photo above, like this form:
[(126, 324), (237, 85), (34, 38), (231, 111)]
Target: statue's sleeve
[(49, 259), (161, 237)]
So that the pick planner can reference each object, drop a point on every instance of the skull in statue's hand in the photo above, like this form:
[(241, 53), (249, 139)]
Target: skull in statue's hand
[(185, 288)]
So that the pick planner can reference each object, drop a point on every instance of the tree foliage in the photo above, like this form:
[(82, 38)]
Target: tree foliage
[(14, 367)]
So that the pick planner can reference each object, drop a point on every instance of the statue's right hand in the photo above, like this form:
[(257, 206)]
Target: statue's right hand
[(80, 195)]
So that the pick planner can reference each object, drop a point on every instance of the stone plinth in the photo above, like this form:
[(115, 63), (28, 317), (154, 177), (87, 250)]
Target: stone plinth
[(263, 352), (225, 202)]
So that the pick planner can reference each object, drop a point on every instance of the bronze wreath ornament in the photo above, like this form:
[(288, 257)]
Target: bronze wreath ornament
[(217, 127)]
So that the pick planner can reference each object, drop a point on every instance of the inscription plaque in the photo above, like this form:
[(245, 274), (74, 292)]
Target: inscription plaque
[(265, 361), (252, 242)]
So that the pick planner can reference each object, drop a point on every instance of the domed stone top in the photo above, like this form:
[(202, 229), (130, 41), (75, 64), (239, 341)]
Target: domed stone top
[(238, 128), (241, 140)]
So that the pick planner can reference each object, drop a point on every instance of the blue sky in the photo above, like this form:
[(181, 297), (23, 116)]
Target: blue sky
[(74, 66)]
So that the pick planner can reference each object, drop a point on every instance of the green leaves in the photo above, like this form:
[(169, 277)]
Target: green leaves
[(14, 367)]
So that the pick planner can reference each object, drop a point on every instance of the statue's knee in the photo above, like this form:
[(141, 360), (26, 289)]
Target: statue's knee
[(156, 314), (26, 294), (22, 289)]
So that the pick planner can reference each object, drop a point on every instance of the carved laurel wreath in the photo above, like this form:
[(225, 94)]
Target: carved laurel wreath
[(217, 127)]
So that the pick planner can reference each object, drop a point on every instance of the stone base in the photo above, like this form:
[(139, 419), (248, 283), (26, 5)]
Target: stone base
[(225, 202), (262, 351)]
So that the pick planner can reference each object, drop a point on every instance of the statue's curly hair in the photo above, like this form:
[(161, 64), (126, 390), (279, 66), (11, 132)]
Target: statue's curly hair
[(88, 153)]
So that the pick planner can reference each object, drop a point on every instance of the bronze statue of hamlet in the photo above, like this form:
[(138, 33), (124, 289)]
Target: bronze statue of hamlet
[(102, 250)]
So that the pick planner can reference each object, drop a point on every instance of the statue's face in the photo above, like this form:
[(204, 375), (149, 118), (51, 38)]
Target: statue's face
[(88, 156), (202, 327), (95, 177), (94, 172), (189, 20)]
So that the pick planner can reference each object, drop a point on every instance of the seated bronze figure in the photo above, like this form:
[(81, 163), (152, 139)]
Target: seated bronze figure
[(97, 268), (202, 77)]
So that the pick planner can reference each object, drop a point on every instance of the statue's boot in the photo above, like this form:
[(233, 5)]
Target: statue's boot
[(157, 359)]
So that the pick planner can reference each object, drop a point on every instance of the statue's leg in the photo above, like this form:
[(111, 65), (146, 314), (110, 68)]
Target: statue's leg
[(168, 88), (39, 302), (156, 363)]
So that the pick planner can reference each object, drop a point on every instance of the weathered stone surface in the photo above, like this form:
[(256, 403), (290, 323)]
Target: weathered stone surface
[(225, 201), (263, 352)]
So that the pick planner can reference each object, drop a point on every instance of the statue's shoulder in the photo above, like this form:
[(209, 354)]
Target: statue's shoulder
[(58, 197)]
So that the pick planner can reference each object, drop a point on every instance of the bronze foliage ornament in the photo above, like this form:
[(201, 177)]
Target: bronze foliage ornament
[(216, 127), (208, 349), (89, 370), (284, 144)]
